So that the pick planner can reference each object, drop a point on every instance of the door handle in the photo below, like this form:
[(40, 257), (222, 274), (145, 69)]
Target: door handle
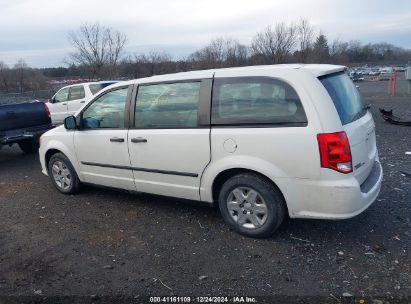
[(138, 140), (64, 104), (83, 101), (117, 139)]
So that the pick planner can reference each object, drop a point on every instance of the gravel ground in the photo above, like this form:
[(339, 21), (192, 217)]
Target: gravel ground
[(108, 243)]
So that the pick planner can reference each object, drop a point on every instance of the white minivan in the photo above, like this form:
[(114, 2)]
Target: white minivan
[(261, 142), (69, 99)]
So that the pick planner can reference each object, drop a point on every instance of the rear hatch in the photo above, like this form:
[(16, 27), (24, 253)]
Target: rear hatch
[(357, 122)]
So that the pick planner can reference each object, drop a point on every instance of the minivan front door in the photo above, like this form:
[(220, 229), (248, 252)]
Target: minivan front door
[(58, 106), (101, 143), (170, 143)]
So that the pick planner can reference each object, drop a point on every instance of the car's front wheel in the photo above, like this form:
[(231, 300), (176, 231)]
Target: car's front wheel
[(62, 174), (251, 205)]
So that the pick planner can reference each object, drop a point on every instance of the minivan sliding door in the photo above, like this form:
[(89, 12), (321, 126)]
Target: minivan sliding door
[(169, 145)]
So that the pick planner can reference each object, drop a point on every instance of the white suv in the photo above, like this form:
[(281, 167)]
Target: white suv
[(262, 142), (69, 99)]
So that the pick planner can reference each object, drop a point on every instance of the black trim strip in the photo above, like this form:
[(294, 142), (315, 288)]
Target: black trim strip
[(261, 125), (204, 103), (140, 169)]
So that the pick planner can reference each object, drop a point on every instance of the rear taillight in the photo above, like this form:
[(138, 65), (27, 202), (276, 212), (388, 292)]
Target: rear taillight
[(335, 152), (47, 110)]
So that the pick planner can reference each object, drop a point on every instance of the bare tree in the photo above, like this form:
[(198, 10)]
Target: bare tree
[(155, 62), (273, 45), (20, 74), (339, 52), (305, 37), (236, 54), (97, 47), (220, 52), (149, 64), (4, 77)]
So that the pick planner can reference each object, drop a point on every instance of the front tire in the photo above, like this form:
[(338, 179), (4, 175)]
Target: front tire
[(62, 174), (251, 205)]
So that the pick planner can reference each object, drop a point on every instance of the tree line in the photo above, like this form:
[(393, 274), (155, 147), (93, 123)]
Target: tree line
[(99, 53), (21, 78)]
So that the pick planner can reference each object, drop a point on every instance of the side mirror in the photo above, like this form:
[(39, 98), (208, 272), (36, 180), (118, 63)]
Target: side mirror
[(70, 123)]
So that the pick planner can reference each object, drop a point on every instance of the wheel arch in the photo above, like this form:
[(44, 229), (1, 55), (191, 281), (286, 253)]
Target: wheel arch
[(49, 154), (229, 173), (54, 147)]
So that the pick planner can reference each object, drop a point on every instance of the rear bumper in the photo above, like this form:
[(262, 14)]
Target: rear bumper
[(339, 199), (15, 136)]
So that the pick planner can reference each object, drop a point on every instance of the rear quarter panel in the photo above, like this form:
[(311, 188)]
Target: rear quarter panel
[(280, 153)]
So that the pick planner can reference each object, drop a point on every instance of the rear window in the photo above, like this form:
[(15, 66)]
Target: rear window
[(96, 87), (76, 92), (347, 100), (255, 101)]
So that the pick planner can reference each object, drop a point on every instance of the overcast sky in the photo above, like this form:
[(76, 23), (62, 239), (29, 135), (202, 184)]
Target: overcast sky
[(36, 30)]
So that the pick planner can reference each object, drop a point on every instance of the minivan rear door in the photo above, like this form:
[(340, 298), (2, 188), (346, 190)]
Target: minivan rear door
[(76, 99), (357, 122)]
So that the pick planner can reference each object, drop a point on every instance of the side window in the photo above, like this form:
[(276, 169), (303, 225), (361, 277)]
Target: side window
[(61, 95), (94, 88), (255, 100), (107, 111), (76, 92), (167, 106)]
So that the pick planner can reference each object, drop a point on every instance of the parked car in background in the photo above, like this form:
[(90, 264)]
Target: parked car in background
[(374, 72), (356, 76), (69, 99), (365, 71), (399, 68), (23, 124), (385, 73), (261, 142)]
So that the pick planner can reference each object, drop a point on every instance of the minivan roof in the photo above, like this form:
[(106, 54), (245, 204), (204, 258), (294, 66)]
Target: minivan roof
[(316, 69)]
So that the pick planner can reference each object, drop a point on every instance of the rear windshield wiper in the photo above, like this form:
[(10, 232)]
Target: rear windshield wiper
[(361, 113)]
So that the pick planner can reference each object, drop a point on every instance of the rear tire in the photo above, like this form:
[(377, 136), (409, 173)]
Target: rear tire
[(251, 205), (29, 147), (62, 174)]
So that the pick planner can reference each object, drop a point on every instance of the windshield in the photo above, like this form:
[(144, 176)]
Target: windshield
[(344, 94)]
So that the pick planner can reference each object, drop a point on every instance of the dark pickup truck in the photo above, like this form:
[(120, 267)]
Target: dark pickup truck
[(23, 124)]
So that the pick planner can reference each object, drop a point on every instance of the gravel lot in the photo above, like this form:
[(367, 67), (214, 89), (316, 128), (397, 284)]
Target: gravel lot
[(108, 243)]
